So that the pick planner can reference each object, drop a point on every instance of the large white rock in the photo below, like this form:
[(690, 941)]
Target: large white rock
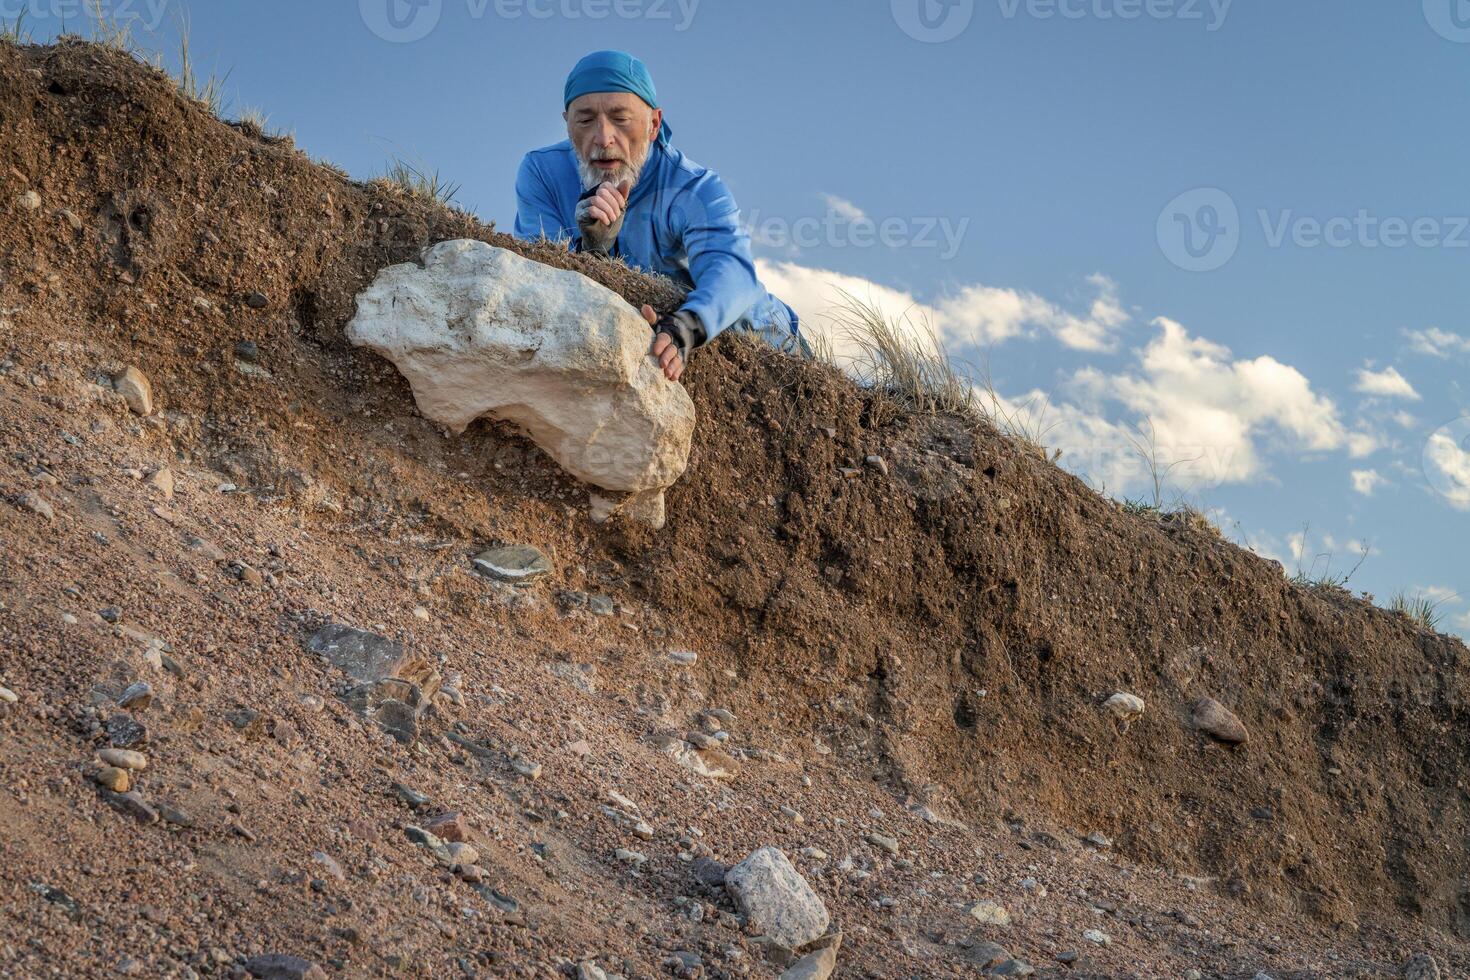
[(478, 330)]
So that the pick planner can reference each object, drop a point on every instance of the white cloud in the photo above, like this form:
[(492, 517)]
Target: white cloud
[(1205, 406), (1442, 594), (976, 316), (1448, 467), (1437, 343), (1366, 481), (844, 208), (1387, 383), (1405, 420), (1205, 417)]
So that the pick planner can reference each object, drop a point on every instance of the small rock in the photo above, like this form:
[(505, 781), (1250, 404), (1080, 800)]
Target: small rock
[(162, 480), (1124, 706), (367, 657), (113, 615), (36, 504), (813, 966), (985, 955), (8, 696), (580, 748), (882, 842), (709, 872), (1420, 967), (450, 826), (1098, 840), (329, 864), (113, 778), (776, 899), (990, 913), (517, 564), (278, 966), (410, 796), (136, 696), (462, 854), (132, 804), (65, 214), (257, 300), (527, 768), (29, 201), (629, 857), (878, 463), (1068, 956), (133, 385), (124, 759), (248, 575), (1013, 968), (175, 815), (125, 732), (247, 351), (814, 854), (1097, 936), (685, 658), (1215, 720)]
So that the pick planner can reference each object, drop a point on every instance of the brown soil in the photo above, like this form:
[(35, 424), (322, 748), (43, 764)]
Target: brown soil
[(938, 636)]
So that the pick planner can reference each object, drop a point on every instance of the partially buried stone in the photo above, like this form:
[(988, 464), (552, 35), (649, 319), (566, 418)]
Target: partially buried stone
[(136, 697), (518, 564), (398, 720), (131, 804), (364, 656), (1420, 967), (449, 826), (112, 778), (125, 732), (279, 966), (1013, 968), (36, 504), (1218, 722), (257, 300), (135, 389), (124, 759)]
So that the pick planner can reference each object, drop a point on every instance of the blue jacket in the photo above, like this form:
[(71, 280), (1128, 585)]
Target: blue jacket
[(680, 221)]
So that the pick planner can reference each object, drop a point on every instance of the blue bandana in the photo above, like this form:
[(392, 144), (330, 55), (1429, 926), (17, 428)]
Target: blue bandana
[(614, 71)]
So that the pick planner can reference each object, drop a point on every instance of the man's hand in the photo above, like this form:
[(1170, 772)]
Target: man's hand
[(600, 216), (665, 350)]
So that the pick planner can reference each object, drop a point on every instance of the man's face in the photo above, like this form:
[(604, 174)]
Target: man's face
[(611, 133)]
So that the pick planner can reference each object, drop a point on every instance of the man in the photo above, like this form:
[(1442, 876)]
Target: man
[(616, 187)]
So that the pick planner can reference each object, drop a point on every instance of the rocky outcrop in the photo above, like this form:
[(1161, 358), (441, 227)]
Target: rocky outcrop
[(480, 331)]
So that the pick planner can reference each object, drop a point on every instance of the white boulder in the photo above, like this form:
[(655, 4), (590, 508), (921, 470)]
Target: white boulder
[(478, 330)]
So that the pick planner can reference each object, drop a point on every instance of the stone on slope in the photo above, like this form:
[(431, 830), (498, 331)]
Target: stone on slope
[(518, 564), (133, 385), (776, 899), (1218, 722), (365, 656), (278, 966), (480, 331)]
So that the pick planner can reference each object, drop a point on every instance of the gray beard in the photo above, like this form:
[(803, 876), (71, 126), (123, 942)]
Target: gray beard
[(628, 173)]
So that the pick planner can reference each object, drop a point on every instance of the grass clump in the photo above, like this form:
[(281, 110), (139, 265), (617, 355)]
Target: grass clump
[(1419, 608), (904, 359), (15, 31), (419, 181)]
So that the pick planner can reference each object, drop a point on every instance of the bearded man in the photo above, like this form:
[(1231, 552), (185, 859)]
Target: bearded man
[(616, 187)]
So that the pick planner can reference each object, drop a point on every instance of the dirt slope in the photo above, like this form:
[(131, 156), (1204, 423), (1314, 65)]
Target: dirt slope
[(927, 647)]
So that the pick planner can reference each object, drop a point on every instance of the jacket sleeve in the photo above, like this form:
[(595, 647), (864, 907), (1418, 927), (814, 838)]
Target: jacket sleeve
[(536, 211), (707, 221)]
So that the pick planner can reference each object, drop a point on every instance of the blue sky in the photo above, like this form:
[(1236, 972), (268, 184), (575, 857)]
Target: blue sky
[(1240, 224)]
